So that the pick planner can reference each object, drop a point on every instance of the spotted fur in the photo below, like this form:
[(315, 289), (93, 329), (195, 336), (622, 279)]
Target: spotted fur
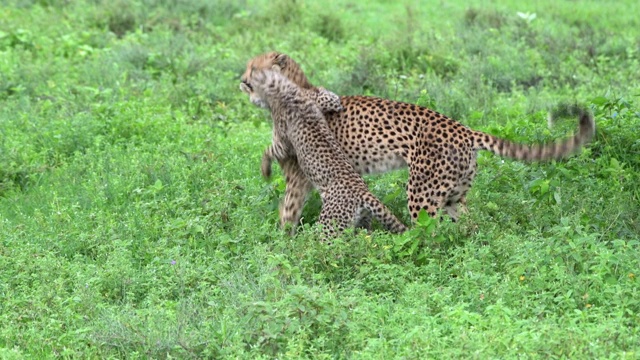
[(379, 135), (301, 133)]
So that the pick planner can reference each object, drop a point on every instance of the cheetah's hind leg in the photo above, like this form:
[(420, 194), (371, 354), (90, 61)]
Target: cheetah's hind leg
[(363, 219), (427, 190), (454, 207)]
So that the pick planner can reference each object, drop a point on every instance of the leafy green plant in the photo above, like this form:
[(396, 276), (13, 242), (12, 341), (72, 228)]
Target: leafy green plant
[(414, 245), (545, 190), (614, 107)]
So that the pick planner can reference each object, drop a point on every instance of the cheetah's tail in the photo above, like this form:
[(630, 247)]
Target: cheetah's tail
[(556, 150)]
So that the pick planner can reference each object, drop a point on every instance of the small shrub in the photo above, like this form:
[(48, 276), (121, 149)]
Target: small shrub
[(330, 27), (121, 20), (485, 18)]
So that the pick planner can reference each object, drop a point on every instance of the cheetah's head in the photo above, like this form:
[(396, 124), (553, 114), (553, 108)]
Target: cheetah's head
[(275, 61)]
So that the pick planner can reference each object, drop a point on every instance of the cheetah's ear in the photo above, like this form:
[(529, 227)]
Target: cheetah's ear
[(280, 61)]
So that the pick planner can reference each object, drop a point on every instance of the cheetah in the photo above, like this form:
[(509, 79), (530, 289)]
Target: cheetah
[(301, 135), (379, 135)]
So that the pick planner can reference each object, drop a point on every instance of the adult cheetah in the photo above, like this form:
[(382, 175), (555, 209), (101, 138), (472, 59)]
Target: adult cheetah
[(379, 135), (300, 132)]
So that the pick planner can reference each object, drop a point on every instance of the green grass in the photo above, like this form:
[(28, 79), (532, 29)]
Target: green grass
[(134, 222)]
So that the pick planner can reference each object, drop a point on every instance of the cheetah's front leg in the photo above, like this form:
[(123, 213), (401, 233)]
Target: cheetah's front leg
[(265, 166), (297, 189), (277, 150)]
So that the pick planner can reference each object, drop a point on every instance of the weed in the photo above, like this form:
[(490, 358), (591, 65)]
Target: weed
[(329, 27)]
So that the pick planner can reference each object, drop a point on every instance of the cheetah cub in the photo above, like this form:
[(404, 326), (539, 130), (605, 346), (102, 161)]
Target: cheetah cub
[(301, 133)]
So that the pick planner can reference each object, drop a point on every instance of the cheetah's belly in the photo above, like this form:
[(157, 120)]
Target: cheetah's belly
[(372, 157), (377, 164)]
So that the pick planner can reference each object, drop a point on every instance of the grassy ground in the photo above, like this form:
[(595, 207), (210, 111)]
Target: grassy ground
[(134, 222)]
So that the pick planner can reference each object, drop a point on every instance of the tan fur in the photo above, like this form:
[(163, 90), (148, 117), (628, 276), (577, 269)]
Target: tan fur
[(281, 62), (300, 132), (379, 135)]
